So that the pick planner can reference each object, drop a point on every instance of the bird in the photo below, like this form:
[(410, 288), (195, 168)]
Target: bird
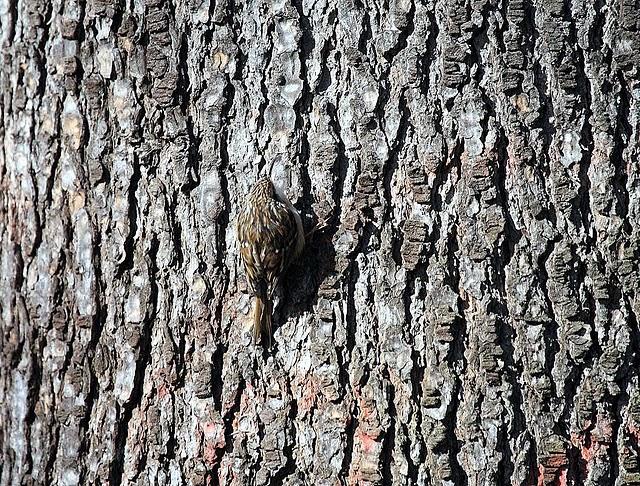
[(271, 236)]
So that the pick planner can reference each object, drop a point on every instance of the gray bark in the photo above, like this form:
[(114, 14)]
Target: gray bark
[(469, 316)]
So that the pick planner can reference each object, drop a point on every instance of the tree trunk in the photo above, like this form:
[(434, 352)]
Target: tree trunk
[(468, 317)]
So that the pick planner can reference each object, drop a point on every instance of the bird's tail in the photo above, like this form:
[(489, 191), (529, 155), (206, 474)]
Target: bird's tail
[(262, 312)]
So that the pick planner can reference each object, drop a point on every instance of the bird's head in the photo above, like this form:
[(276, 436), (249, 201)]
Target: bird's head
[(262, 190)]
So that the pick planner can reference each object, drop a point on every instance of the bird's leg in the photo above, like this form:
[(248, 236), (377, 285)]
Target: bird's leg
[(320, 225)]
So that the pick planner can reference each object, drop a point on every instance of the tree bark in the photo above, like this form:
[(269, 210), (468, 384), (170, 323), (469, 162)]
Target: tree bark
[(469, 316)]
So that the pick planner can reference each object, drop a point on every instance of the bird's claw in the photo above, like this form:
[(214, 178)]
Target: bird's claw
[(320, 225)]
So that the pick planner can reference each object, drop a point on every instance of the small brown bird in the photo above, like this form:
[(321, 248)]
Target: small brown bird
[(271, 236)]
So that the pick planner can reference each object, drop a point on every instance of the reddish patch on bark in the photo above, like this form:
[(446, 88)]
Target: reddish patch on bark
[(634, 430), (209, 428), (593, 443), (162, 390), (367, 442), (553, 470), (562, 479), (214, 441), (540, 475), (214, 433), (557, 461), (309, 397), (588, 453), (210, 454), (552, 477)]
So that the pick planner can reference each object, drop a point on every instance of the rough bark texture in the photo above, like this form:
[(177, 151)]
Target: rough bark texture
[(470, 315)]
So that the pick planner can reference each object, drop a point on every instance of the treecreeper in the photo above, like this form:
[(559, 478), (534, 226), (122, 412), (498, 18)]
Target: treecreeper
[(271, 237)]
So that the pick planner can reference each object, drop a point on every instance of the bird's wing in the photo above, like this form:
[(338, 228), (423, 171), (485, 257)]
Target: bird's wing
[(267, 242), (279, 242), (250, 254)]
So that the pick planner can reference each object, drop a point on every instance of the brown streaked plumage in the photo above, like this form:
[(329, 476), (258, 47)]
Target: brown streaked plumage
[(270, 235)]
